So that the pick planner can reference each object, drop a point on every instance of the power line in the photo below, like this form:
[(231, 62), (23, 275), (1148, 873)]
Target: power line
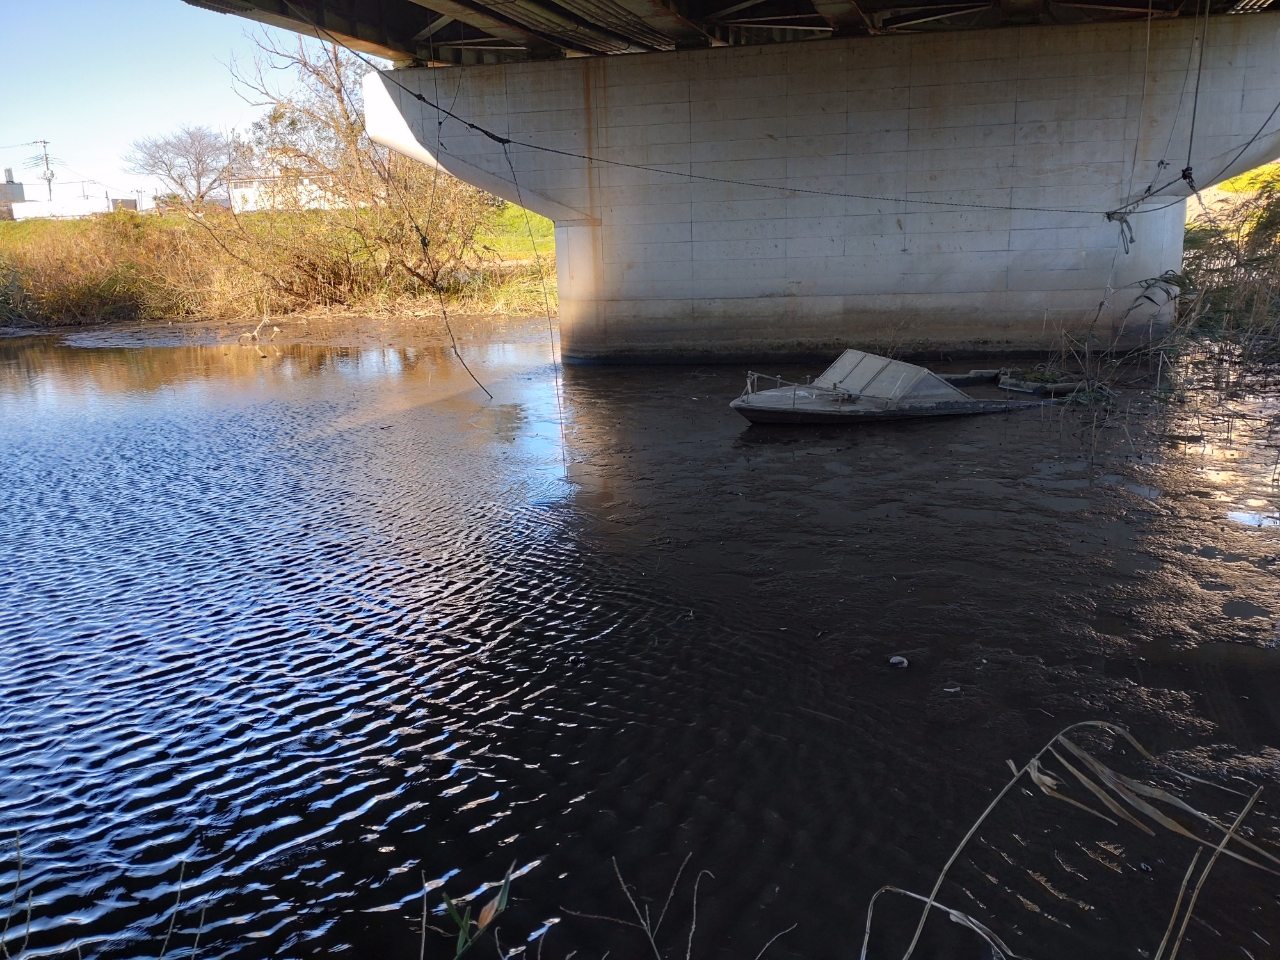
[(89, 179)]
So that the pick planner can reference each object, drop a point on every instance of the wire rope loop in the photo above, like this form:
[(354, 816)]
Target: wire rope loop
[(1126, 208)]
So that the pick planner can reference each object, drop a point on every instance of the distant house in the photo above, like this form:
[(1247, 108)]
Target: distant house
[(11, 192), (253, 194)]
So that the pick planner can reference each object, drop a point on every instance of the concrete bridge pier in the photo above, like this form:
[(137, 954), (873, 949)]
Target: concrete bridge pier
[(927, 191)]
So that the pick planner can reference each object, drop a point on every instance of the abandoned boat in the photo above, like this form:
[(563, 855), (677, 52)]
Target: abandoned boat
[(861, 387)]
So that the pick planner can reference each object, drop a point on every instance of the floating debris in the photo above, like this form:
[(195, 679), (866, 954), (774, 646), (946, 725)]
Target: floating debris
[(1040, 384)]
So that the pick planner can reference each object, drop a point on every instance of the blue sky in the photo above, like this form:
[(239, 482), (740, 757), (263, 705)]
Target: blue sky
[(92, 76)]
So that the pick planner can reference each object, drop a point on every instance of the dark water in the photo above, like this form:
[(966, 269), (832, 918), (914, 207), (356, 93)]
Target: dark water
[(307, 630)]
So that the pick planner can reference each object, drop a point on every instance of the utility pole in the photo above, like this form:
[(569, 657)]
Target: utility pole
[(48, 174)]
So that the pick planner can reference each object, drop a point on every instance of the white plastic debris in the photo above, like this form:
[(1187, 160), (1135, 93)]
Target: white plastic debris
[(897, 661)]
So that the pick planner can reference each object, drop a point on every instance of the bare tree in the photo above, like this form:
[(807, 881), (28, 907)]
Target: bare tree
[(195, 163), (366, 221)]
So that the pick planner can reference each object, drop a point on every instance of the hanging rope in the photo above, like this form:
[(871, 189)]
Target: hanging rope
[(1187, 173), (1126, 229), (426, 253), (546, 300), (1130, 208), (1142, 105), (423, 241)]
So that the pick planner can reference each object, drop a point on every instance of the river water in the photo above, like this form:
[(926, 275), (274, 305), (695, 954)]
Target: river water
[(288, 632)]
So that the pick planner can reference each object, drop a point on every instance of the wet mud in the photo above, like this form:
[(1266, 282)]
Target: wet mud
[(312, 624)]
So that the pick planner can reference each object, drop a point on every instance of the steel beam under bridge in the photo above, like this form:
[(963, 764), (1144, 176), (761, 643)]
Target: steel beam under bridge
[(410, 32)]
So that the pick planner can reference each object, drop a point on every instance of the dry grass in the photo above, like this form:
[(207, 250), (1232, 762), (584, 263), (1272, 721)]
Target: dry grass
[(114, 267), (126, 266), (1230, 286), (1124, 803)]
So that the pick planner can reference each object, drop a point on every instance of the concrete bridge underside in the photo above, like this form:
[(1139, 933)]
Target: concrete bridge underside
[(957, 125), (961, 136)]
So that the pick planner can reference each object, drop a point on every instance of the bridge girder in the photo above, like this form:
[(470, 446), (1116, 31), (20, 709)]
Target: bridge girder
[(424, 32)]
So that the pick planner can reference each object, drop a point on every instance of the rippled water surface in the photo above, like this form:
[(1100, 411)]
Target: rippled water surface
[(287, 633)]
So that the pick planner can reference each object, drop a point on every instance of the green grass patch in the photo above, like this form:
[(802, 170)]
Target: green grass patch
[(508, 235)]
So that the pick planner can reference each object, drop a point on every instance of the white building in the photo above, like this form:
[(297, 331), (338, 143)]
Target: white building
[(251, 195), (70, 208)]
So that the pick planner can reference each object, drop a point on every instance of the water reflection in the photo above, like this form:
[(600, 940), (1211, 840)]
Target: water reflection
[(46, 367), (312, 625)]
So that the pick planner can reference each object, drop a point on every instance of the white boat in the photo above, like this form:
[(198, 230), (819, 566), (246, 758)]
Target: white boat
[(861, 387)]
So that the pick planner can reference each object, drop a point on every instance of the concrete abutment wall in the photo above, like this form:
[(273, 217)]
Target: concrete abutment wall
[(655, 265)]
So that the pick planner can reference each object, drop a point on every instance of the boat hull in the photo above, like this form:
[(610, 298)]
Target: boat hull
[(827, 413)]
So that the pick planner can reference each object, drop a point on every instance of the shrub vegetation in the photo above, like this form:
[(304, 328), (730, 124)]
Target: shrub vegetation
[(1230, 286)]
